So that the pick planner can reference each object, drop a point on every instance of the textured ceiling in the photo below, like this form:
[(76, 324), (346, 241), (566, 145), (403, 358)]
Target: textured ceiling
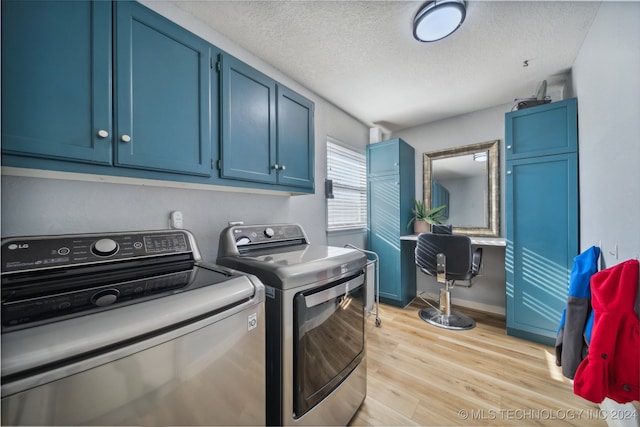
[(362, 57)]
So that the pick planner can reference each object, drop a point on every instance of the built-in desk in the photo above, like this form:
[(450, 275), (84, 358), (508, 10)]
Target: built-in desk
[(480, 241), (488, 290)]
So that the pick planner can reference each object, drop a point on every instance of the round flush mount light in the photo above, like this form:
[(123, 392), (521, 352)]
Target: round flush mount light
[(437, 19)]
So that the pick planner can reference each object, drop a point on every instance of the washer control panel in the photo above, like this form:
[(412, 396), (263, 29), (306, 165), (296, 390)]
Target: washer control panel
[(33, 253)]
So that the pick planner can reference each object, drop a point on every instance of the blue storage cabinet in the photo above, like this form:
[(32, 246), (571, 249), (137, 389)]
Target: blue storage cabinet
[(57, 86), (267, 129), (113, 88), (390, 195), (56, 80), (542, 216)]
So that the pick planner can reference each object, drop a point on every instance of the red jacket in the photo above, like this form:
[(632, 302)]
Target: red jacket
[(612, 367)]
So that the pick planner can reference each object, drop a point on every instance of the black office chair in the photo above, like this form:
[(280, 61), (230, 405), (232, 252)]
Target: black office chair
[(447, 257)]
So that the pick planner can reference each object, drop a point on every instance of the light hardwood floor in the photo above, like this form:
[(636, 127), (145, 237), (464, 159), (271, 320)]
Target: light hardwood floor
[(419, 374)]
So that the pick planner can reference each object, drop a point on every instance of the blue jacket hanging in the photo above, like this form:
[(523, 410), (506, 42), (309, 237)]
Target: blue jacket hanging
[(574, 331)]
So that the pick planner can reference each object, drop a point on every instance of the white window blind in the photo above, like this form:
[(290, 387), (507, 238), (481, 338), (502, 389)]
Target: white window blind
[(347, 168)]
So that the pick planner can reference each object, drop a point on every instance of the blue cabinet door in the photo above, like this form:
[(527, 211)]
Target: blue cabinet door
[(384, 224), (295, 141), (384, 158), (541, 225), (162, 93), (541, 131), (248, 146), (56, 80)]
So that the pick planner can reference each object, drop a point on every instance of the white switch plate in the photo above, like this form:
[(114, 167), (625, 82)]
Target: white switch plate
[(176, 220)]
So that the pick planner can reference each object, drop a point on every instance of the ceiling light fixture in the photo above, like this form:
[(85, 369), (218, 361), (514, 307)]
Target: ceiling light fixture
[(437, 19)]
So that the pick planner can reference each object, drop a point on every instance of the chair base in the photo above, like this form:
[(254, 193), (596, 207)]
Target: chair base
[(454, 320)]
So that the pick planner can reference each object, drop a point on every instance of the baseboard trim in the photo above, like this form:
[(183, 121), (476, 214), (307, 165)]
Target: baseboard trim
[(493, 309)]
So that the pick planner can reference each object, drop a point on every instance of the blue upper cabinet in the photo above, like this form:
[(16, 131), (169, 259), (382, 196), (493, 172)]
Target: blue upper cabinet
[(267, 129), (56, 80), (57, 86), (162, 93), (542, 131), (295, 139), (113, 88), (248, 149)]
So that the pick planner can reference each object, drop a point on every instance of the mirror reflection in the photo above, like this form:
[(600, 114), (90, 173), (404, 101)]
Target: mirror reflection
[(466, 180)]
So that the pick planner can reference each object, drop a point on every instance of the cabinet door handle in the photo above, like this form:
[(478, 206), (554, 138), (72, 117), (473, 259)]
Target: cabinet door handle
[(276, 167), (508, 172), (283, 167), (125, 138), (103, 133), (508, 147)]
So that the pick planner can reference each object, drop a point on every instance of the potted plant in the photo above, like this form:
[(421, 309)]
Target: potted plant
[(423, 218)]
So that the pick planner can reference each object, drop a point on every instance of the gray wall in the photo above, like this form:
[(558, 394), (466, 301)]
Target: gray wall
[(41, 205), (605, 80)]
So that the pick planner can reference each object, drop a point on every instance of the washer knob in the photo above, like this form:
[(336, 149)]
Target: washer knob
[(269, 232), (105, 297), (105, 247)]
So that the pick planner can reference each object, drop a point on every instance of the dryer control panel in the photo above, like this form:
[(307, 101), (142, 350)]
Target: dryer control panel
[(242, 238)]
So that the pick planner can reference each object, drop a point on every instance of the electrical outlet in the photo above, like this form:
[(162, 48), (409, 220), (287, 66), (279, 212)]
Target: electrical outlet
[(176, 221)]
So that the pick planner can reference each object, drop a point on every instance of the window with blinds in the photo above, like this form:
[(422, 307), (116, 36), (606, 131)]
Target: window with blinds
[(347, 168)]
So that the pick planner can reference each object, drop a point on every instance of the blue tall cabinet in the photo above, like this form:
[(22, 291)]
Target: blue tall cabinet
[(390, 194), (542, 216)]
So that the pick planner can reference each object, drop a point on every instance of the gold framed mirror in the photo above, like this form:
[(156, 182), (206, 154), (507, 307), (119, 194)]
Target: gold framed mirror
[(467, 178)]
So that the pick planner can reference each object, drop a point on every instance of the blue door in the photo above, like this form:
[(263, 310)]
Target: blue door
[(542, 240), (56, 80), (384, 158), (295, 139), (248, 146), (384, 233), (162, 93), (543, 130)]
